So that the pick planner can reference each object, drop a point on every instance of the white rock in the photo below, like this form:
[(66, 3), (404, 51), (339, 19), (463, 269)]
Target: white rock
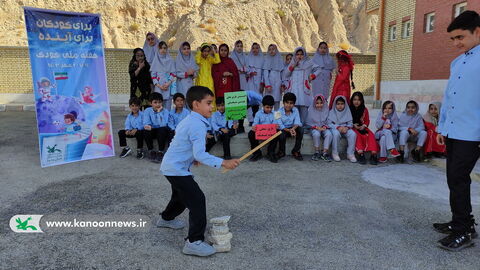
[(219, 230), (220, 220), (219, 239), (223, 248)]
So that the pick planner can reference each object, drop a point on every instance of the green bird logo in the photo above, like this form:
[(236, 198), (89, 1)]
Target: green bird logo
[(53, 149), (22, 225)]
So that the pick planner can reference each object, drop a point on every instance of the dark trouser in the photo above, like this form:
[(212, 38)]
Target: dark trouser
[(122, 137), (210, 143), (255, 109), (225, 139), (298, 140), (461, 159), (254, 143), (187, 194), (162, 135)]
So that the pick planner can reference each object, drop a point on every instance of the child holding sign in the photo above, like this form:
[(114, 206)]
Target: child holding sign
[(264, 116), (188, 146), (223, 128)]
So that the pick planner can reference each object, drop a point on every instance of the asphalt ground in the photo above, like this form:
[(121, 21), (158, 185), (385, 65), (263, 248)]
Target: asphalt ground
[(290, 215)]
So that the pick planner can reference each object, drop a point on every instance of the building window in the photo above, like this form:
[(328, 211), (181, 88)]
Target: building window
[(429, 22), (392, 32), (459, 9), (406, 29)]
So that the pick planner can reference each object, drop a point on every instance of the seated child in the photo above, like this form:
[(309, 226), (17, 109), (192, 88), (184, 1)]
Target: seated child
[(317, 119), (188, 148), (411, 128), (223, 129), (133, 129), (178, 114), (71, 125), (254, 100), (210, 137), (155, 123), (340, 122), (430, 119), (387, 127), (292, 126), (264, 116), (365, 138)]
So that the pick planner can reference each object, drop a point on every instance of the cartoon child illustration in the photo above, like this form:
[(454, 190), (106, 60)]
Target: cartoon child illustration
[(71, 126), (45, 89), (87, 95)]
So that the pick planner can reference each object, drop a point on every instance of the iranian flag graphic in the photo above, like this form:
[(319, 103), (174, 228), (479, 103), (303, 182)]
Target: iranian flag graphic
[(61, 76)]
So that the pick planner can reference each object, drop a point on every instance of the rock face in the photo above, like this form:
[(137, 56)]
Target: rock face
[(287, 23)]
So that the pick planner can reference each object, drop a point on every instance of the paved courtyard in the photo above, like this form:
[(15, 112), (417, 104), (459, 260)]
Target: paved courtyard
[(290, 215)]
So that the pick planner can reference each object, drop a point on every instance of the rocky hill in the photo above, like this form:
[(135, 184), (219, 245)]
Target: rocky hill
[(287, 23)]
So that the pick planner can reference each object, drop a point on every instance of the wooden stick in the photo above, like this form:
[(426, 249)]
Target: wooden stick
[(256, 149)]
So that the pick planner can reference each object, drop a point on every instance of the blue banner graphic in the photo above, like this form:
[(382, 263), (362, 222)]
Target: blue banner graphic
[(70, 88)]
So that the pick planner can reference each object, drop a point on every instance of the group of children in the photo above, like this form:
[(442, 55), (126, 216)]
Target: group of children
[(348, 118)]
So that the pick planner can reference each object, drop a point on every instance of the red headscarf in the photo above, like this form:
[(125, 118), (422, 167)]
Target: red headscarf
[(225, 84)]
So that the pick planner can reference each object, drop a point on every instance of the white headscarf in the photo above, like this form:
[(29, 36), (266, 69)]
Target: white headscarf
[(340, 117), (184, 63), (255, 61), (239, 59), (150, 50), (410, 121), (428, 117), (163, 63), (318, 117), (273, 62), (306, 63), (324, 61)]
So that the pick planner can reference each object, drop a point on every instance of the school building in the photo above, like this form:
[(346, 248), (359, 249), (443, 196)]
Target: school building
[(415, 51)]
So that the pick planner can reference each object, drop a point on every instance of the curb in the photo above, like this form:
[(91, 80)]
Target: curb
[(31, 107)]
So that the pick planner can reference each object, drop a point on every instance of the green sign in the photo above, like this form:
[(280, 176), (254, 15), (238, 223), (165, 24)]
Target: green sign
[(236, 105)]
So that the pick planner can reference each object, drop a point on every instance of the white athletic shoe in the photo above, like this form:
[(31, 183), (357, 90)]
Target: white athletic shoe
[(335, 157), (352, 158), (172, 224), (198, 248)]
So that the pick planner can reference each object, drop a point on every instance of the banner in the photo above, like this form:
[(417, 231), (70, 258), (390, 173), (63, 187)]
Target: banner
[(69, 82), (236, 105), (263, 132)]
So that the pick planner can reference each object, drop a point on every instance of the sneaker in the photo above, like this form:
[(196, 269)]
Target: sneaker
[(159, 157), (198, 248), (446, 228), (361, 159), (336, 157), (125, 152), (152, 155), (140, 154), (272, 157), (256, 157), (325, 157), (401, 157), (172, 224), (382, 159), (394, 153), (456, 241), (297, 155), (280, 155), (373, 160), (416, 156), (316, 156), (352, 158)]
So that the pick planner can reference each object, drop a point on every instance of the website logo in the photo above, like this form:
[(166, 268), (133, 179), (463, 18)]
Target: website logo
[(26, 223)]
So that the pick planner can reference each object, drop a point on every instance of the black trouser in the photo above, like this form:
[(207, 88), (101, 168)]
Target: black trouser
[(122, 137), (255, 109), (254, 143), (187, 194), (210, 143), (298, 140), (461, 159), (162, 134), (225, 139)]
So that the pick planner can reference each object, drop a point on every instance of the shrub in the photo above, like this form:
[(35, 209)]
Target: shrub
[(280, 13), (211, 20), (241, 27), (201, 25), (134, 27), (211, 29)]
